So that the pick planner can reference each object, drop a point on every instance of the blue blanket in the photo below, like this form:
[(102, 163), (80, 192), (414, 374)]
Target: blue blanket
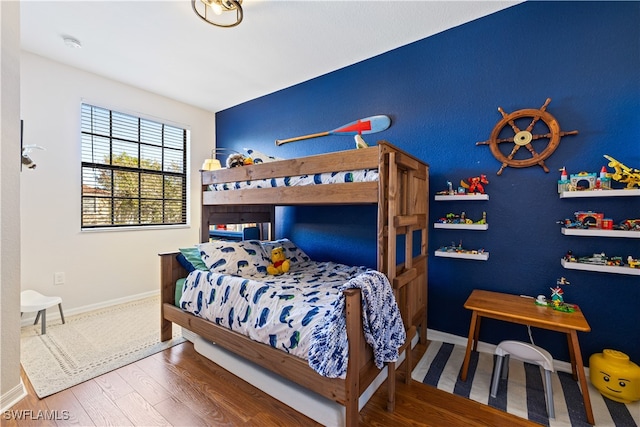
[(382, 324)]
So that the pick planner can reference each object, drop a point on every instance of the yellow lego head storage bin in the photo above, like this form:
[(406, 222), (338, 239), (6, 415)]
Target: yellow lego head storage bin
[(615, 376)]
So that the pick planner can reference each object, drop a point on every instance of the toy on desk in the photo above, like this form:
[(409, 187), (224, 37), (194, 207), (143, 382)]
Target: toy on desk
[(279, 262), (615, 376), (624, 173), (557, 299)]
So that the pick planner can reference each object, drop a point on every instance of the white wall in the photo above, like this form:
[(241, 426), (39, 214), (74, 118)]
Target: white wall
[(99, 266), (11, 388)]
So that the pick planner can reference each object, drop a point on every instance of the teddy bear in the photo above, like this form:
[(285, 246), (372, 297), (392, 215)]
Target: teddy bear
[(279, 262)]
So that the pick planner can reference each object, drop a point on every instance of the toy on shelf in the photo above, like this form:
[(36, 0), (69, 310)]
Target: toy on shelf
[(615, 376), (596, 259), (624, 173), (460, 250), (452, 218), (628, 225), (473, 185), (597, 220), (584, 181), (572, 223)]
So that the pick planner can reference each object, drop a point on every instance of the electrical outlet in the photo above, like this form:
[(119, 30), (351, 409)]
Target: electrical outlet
[(58, 278)]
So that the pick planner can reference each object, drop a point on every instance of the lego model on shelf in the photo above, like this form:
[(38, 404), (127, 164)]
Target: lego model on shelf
[(455, 221), (472, 189), (591, 184), (457, 251), (589, 223), (602, 263)]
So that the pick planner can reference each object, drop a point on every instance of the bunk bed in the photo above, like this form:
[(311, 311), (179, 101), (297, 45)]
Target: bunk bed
[(400, 191)]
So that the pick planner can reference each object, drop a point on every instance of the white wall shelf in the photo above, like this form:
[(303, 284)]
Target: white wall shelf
[(461, 197), (599, 193), (600, 233), (463, 226), (478, 257), (600, 268)]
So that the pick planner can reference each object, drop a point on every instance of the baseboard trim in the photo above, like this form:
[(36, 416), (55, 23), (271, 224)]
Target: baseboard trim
[(485, 347), (54, 313), (13, 396)]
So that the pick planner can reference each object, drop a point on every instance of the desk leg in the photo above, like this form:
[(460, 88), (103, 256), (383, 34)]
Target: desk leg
[(476, 335), (574, 347), (470, 343), (572, 358)]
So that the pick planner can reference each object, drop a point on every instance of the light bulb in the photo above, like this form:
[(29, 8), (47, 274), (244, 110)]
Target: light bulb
[(217, 8)]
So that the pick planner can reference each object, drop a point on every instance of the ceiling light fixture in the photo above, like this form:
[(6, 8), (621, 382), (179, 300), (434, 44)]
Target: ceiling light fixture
[(215, 13)]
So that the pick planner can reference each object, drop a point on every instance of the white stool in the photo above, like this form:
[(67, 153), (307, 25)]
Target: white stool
[(527, 353), (35, 301)]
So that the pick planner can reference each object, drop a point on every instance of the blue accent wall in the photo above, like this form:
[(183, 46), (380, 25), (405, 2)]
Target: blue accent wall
[(442, 94)]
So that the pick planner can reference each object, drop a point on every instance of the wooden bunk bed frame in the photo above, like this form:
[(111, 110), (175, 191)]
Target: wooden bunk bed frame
[(401, 194)]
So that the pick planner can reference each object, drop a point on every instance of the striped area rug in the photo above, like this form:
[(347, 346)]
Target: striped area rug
[(522, 394)]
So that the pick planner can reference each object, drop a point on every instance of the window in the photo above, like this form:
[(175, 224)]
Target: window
[(133, 171)]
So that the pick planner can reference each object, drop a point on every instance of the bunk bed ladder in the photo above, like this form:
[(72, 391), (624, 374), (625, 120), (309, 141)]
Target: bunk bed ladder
[(403, 213)]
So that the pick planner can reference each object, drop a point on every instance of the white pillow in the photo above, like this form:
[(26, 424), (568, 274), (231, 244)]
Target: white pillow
[(259, 157), (245, 258)]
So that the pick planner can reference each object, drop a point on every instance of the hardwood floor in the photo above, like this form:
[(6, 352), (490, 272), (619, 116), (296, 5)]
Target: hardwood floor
[(181, 388)]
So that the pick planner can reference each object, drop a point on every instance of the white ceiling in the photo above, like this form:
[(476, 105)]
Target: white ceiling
[(163, 47)]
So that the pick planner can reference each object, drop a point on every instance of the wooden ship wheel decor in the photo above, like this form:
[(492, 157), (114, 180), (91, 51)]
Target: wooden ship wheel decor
[(535, 122)]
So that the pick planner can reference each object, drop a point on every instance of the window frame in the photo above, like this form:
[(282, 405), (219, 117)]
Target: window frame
[(89, 165)]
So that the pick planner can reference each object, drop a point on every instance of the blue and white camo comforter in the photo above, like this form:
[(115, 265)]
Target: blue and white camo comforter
[(361, 175), (301, 312)]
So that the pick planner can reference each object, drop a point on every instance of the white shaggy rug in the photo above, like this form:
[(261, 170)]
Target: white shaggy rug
[(91, 344)]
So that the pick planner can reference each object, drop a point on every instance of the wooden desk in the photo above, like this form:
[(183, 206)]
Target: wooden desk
[(517, 309)]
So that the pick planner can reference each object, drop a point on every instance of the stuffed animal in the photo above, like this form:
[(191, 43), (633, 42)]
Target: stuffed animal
[(236, 159), (280, 263)]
